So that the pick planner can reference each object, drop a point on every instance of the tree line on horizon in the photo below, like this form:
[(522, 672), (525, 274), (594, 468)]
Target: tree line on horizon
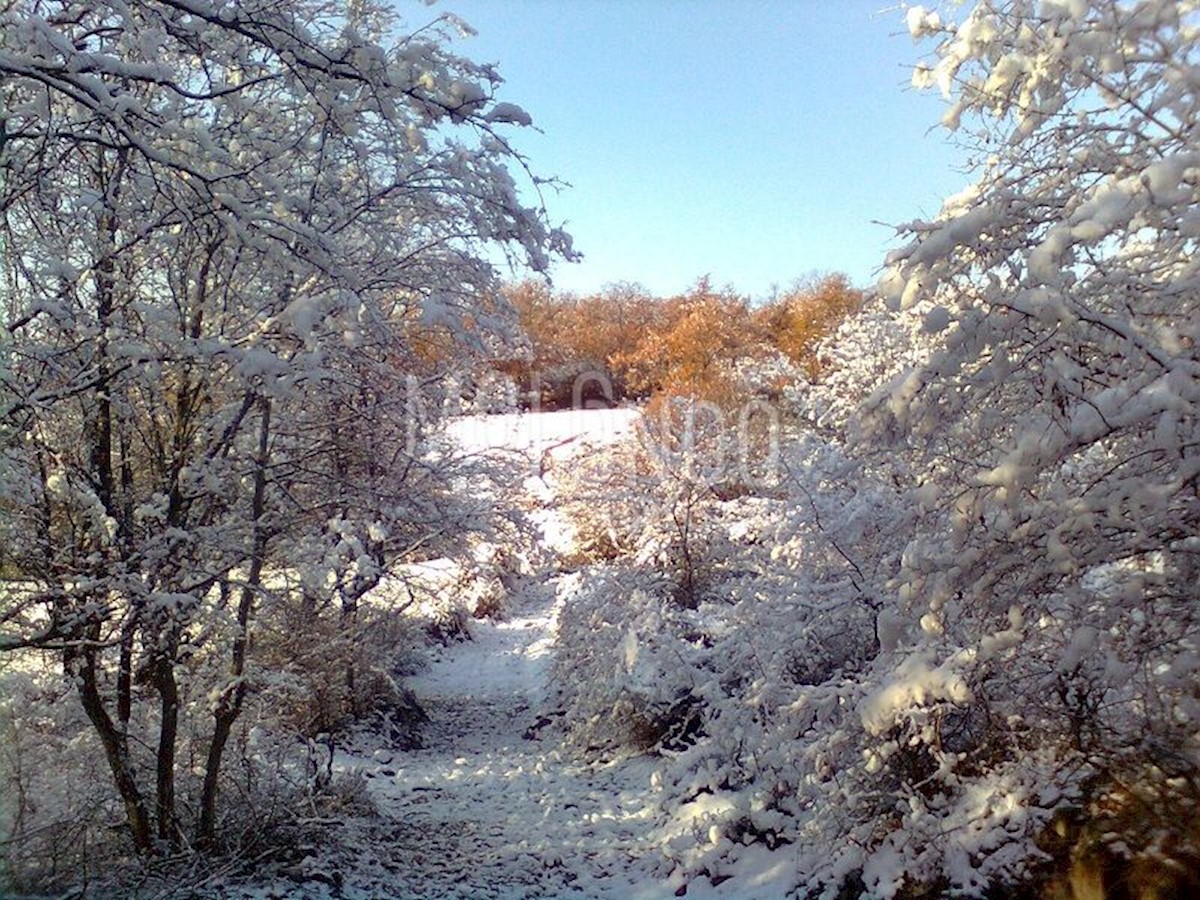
[(623, 343)]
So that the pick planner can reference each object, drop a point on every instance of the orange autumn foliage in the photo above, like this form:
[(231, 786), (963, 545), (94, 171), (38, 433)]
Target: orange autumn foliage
[(701, 335), (689, 345), (797, 322)]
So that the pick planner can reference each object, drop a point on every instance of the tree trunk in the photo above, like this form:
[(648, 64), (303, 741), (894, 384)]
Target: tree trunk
[(349, 627), (101, 449), (82, 665), (230, 705), (125, 672), (168, 692)]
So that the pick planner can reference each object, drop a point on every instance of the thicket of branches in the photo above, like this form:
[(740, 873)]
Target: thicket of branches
[(235, 243)]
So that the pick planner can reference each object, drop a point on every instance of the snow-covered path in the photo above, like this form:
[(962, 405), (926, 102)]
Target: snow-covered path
[(489, 808), (495, 812), (494, 806)]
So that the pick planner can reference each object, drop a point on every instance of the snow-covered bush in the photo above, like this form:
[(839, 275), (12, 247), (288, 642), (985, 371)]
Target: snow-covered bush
[(322, 672), (1037, 629), (820, 728), (602, 501), (1053, 436), (789, 603), (616, 498), (623, 678), (54, 827), (869, 356)]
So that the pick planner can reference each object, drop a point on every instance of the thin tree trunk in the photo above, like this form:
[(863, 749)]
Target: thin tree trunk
[(45, 519), (82, 664), (168, 692), (349, 629), (125, 672), (230, 705), (349, 612), (101, 450)]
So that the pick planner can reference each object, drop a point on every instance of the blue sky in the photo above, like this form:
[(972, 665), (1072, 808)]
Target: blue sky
[(756, 142)]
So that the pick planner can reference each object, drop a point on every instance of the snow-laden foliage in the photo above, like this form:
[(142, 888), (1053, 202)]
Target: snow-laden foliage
[(746, 665), (868, 361), (1055, 435), (628, 680), (937, 635), (240, 244), (966, 611)]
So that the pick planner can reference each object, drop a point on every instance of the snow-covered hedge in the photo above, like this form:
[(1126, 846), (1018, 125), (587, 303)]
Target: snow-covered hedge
[(624, 674)]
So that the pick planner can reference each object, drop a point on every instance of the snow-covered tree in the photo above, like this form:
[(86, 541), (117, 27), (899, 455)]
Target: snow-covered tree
[(1058, 426), (238, 240), (1053, 435)]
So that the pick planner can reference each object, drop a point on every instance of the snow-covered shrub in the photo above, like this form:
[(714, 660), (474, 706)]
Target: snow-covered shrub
[(623, 675), (825, 727), (61, 819), (1052, 437), (324, 671), (445, 594), (604, 500), (487, 392), (647, 498), (869, 355), (794, 625), (52, 828)]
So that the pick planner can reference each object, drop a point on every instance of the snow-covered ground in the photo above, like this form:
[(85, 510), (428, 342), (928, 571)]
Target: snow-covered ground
[(493, 806), (493, 809), (537, 432)]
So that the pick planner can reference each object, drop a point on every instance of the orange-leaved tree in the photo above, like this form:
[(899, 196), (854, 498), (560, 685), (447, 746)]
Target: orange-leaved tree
[(692, 352), (797, 322), (574, 339)]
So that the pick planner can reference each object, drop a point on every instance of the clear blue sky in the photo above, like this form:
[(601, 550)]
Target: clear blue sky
[(753, 141)]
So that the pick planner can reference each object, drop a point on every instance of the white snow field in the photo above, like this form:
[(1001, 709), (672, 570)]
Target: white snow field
[(492, 806), (529, 432)]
